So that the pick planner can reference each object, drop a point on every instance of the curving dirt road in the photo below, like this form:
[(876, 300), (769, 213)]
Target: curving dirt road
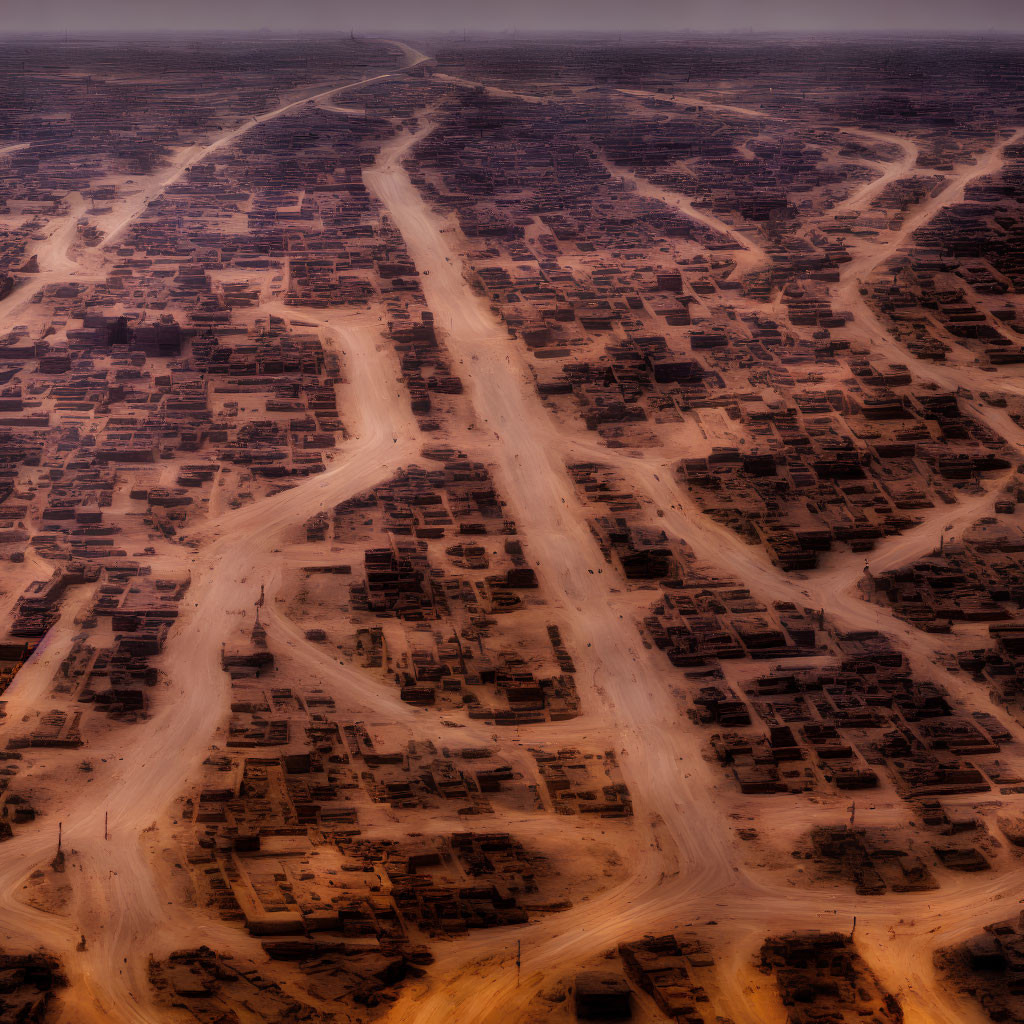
[(687, 862), (681, 859)]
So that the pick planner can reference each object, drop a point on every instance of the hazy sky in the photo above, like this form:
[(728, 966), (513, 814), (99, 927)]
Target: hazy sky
[(522, 15)]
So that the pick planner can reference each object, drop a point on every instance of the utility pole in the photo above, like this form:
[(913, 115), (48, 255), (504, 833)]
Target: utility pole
[(106, 818), (60, 835), (854, 928)]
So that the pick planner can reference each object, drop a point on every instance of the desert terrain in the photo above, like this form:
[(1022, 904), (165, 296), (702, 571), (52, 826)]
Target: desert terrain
[(511, 530)]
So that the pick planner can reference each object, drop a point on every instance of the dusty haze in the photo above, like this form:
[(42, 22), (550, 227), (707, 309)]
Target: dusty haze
[(986, 16)]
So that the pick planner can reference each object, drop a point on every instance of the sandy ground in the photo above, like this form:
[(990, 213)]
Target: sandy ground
[(682, 859)]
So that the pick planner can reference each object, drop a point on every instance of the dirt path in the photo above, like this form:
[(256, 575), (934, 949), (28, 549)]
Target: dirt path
[(125, 916), (682, 859), (687, 866), (196, 154)]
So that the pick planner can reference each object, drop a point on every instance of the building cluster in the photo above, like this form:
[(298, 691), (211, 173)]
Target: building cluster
[(973, 581), (803, 483), (450, 610), (822, 976), (988, 967)]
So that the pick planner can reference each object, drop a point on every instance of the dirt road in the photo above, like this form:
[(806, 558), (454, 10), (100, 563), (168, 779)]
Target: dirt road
[(686, 868), (682, 861)]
